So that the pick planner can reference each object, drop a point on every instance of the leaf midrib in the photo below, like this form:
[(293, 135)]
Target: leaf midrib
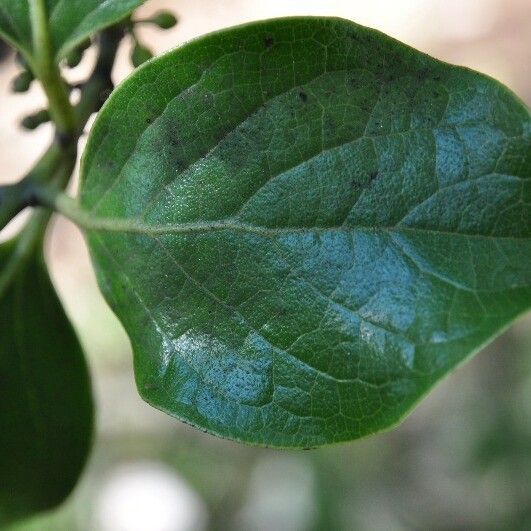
[(132, 226)]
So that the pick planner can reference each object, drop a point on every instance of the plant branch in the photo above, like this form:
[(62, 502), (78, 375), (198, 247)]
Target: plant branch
[(54, 169), (46, 70), (16, 197), (99, 85), (33, 232)]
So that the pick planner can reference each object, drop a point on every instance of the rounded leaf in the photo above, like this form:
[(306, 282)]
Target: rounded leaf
[(22, 82), (164, 20), (140, 54), (306, 225)]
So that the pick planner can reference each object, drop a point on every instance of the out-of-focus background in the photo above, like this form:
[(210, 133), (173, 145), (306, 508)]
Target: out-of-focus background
[(461, 461)]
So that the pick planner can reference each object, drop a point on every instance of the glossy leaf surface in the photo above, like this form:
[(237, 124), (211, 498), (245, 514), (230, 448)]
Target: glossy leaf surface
[(306, 225), (71, 21), (46, 410)]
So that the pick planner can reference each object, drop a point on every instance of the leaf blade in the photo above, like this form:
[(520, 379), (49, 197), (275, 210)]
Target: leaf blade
[(46, 405), (70, 22), (387, 238)]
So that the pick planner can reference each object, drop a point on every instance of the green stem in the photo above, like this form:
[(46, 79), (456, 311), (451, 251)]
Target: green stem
[(28, 239), (33, 232), (89, 221), (96, 90), (46, 70), (54, 169), (14, 198)]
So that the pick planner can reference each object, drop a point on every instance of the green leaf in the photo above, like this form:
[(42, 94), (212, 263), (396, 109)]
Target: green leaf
[(71, 22), (32, 121), (22, 82), (140, 54), (46, 410), (164, 20), (304, 224)]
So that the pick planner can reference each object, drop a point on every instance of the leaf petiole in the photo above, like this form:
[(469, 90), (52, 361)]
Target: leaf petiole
[(32, 233)]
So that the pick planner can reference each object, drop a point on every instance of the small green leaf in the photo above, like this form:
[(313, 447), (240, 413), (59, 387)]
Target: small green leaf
[(140, 54), (164, 20), (71, 22), (73, 58), (46, 410), (22, 82), (35, 120), (304, 224)]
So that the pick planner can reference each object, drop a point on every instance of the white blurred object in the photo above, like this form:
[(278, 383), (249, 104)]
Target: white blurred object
[(464, 20), (145, 496), (281, 496)]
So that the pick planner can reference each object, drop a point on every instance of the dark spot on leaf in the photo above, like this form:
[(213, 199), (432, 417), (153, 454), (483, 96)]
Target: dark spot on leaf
[(355, 184), (179, 165), (269, 41), (373, 175), (303, 96)]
